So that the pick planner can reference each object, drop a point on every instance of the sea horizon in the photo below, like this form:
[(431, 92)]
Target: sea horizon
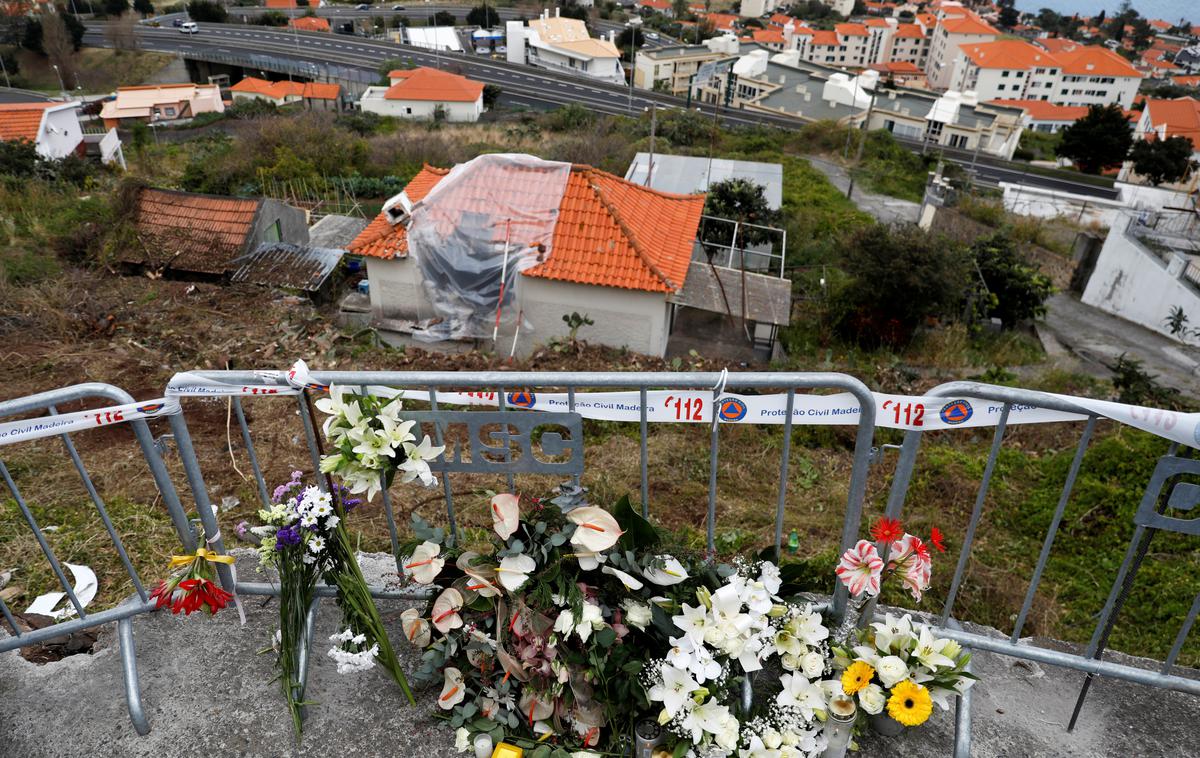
[(1167, 10)]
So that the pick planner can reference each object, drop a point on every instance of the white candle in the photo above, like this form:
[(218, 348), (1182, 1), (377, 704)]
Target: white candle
[(483, 746)]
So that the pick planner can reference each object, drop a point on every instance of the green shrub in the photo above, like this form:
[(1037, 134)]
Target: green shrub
[(1015, 291)]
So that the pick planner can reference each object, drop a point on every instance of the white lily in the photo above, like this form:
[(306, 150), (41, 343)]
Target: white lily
[(693, 622), (595, 529), (514, 571), (674, 691), (809, 627), (892, 631), (799, 692), (666, 571), (416, 464), (929, 651), (506, 514), (424, 565)]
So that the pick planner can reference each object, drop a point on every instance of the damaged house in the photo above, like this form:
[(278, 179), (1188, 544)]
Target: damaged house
[(507, 247)]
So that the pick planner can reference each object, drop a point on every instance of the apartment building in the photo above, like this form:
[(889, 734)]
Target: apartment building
[(953, 28), (563, 44), (670, 69), (1076, 76)]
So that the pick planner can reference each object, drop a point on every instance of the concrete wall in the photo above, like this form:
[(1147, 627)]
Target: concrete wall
[(1131, 282), (624, 318), (1085, 209), (293, 223)]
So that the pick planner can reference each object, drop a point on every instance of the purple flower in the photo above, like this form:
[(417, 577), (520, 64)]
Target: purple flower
[(287, 536), (280, 491), (296, 476), (241, 528)]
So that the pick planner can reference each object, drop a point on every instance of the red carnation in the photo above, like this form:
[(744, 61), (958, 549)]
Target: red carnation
[(887, 530), (935, 537)]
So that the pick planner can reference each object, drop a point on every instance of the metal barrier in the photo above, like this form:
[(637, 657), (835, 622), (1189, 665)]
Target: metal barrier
[(140, 601), (513, 442)]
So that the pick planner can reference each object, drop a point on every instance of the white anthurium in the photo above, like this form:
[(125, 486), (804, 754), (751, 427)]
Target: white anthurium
[(929, 651), (453, 690), (799, 692), (595, 529), (481, 577), (514, 571), (535, 706), (416, 629), (666, 571), (445, 610), (630, 582), (424, 565), (590, 561), (506, 514), (891, 670), (675, 690)]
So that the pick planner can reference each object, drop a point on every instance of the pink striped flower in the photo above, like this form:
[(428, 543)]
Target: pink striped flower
[(860, 569)]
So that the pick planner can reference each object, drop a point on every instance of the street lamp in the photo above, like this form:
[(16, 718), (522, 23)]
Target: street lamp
[(62, 88), (866, 129), (633, 25)]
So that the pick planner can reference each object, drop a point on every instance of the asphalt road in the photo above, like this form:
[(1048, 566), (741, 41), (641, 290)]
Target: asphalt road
[(21, 96), (522, 85)]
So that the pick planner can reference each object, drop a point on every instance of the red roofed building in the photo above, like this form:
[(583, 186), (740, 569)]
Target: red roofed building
[(1163, 119), (656, 6), (954, 27), (309, 24), (1079, 75), (426, 93), (586, 242), (51, 127), (1186, 81), (313, 95), (902, 73), (722, 22)]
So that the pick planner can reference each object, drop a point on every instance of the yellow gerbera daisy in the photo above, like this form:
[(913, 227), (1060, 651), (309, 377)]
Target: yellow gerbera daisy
[(910, 703), (856, 677)]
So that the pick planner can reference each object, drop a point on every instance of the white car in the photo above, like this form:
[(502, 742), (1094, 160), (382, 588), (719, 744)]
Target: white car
[(189, 27), (652, 35)]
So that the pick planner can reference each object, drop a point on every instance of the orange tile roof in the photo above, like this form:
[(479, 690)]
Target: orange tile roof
[(1186, 81), (1094, 60), (1057, 44), (782, 19), (971, 24), (431, 84), (768, 36), (609, 232), (824, 38), (22, 121), (876, 22), (722, 21), (280, 4), (850, 30), (309, 24), (1160, 25), (190, 232), (911, 31), (897, 67), (1044, 110), (658, 5), (1179, 117), (927, 20), (1009, 54), (280, 90)]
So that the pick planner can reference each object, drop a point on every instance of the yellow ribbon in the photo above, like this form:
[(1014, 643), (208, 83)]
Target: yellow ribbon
[(202, 553)]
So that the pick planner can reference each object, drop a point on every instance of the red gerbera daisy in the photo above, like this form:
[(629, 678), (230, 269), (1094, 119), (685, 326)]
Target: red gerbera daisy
[(887, 530), (935, 537)]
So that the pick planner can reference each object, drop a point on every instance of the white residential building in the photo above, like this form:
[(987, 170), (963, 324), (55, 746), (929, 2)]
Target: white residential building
[(53, 128), (759, 8), (1076, 76), (1163, 119), (954, 27), (161, 102), (563, 44), (426, 93)]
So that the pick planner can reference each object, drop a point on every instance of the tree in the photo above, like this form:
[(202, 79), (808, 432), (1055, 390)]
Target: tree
[(207, 11), (623, 40), (679, 8), (491, 94), (739, 200), (483, 16), (115, 7), (122, 32), (900, 277), (1163, 160), (59, 48), (1009, 15), (575, 11), (1097, 141), (144, 7), (75, 27), (444, 18), (1016, 291)]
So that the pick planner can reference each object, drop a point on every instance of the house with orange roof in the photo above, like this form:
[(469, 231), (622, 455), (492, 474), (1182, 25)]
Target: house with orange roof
[(287, 5), (654, 6), (562, 238), (153, 103), (954, 26), (772, 39), (759, 8), (204, 236), (1079, 75), (1163, 119), (312, 95), (901, 73), (426, 93), (51, 127), (564, 45), (1186, 81), (723, 22), (309, 24)]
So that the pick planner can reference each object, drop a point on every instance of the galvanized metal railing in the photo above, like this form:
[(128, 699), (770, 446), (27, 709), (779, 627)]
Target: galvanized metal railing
[(138, 603), (1164, 496)]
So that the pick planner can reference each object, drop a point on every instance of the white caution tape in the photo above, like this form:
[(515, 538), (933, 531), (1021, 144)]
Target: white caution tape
[(48, 426)]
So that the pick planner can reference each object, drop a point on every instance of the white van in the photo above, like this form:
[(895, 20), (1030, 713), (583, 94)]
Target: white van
[(189, 27)]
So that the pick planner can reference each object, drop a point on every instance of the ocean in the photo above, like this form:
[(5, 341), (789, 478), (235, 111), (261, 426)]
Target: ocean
[(1167, 10)]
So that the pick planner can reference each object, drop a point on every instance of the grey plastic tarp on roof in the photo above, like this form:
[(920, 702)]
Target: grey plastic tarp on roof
[(460, 231)]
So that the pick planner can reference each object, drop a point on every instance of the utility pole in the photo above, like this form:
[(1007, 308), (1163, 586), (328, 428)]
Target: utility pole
[(653, 126), (634, 23), (866, 129)]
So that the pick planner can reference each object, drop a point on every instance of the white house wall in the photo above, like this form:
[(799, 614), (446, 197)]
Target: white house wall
[(60, 133), (420, 109)]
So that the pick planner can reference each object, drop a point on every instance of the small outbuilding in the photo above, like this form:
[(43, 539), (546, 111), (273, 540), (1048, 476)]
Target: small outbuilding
[(426, 93)]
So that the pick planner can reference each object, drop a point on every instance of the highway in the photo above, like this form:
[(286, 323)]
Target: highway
[(522, 85)]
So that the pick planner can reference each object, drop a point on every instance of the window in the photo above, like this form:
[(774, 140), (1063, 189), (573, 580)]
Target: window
[(274, 232), (889, 125), (408, 111), (958, 140), (1020, 74), (1005, 73), (169, 112), (1000, 87)]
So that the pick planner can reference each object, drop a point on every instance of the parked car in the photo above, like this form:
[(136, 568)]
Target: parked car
[(177, 23), (652, 35), (363, 6), (189, 27), (399, 8)]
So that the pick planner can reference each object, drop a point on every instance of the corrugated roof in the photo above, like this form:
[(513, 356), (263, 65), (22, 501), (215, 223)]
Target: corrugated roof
[(609, 232), (431, 84), (768, 298), (22, 121), (190, 232), (336, 231), (281, 264)]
